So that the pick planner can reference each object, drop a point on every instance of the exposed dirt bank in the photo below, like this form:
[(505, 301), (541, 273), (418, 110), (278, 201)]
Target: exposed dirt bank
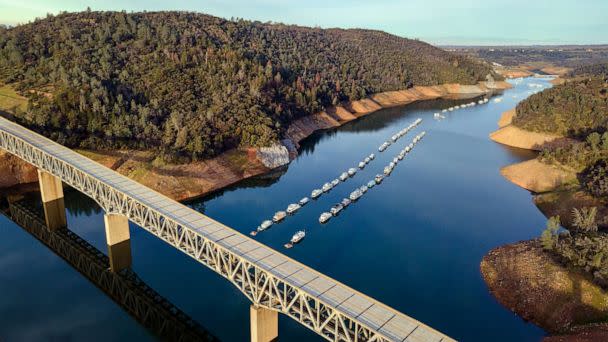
[(529, 282), (514, 136), (188, 181), (336, 116), (557, 81), (514, 72), (506, 118), (555, 70), (15, 171), (183, 181), (537, 176)]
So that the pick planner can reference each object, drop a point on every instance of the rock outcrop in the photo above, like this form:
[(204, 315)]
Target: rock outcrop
[(273, 156)]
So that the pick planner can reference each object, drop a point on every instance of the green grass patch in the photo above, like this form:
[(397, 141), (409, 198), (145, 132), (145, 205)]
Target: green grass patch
[(10, 101)]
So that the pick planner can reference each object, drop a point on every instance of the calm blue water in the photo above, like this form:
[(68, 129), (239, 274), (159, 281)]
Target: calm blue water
[(414, 242)]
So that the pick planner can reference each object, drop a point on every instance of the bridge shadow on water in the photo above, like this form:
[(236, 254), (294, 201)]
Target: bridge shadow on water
[(154, 312)]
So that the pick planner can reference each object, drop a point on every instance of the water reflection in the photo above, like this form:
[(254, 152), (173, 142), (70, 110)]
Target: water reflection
[(262, 181), (125, 288)]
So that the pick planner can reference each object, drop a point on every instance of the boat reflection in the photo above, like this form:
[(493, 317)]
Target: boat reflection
[(125, 288)]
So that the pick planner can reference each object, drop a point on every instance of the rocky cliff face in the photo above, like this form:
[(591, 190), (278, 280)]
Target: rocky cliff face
[(273, 156), (14, 171)]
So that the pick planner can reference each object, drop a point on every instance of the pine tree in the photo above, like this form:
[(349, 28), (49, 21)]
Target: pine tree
[(549, 236)]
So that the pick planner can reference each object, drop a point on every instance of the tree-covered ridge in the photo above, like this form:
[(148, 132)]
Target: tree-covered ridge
[(194, 85), (574, 109), (600, 69)]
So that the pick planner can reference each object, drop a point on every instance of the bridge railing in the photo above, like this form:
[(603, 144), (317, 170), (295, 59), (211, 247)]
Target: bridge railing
[(266, 277)]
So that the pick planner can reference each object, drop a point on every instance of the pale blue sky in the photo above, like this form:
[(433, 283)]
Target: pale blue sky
[(436, 21)]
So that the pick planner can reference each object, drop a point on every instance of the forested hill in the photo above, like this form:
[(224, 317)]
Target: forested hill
[(575, 109), (194, 85)]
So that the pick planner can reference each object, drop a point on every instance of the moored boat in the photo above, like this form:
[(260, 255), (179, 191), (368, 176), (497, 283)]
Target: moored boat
[(372, 156), (378, 179), (366, 160), (303, 201), (297, 237), (355, 195), (345, 202), (316, 193), (278, 216), (336, 209), (361, 165), (363, 189), (325, 217), (371, 184), (335, 182), (352, 171), (343, 176), (263, 226), (292, 208), (326, 187)]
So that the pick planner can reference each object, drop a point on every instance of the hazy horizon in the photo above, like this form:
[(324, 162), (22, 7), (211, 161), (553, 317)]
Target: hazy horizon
[(442, 22)]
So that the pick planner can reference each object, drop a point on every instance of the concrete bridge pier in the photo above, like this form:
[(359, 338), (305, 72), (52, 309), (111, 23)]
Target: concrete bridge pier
[(51, 191), (264, 324), (118, 240)]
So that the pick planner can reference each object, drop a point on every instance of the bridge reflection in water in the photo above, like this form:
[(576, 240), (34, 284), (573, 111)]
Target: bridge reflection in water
[(125, 288), (273, 282)]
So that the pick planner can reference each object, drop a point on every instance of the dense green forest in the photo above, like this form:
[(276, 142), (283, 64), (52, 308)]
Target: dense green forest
[(577, 109), (194, 85), (574, 109)]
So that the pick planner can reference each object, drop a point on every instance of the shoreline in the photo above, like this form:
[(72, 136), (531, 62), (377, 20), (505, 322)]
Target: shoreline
[(529, 282), (526, 279), (191, 181)]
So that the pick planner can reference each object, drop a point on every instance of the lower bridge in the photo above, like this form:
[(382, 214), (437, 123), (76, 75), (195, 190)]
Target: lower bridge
[(273, 282)]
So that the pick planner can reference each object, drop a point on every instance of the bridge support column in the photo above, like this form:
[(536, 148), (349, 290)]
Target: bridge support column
[(119, 241), (51, 191), (264, 324)]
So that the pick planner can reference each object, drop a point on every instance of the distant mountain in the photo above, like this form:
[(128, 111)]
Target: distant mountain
[(194, 85)]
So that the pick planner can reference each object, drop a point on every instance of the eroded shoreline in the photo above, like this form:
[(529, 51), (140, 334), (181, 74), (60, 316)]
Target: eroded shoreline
[(183, 182), (525, 278)]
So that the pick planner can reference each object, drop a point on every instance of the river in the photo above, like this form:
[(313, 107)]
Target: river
[(414, 242)]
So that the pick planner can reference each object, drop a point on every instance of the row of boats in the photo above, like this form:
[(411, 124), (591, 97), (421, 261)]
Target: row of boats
[(360, 191), (316, 193), (440, 116), (294, 207), (399, 135)]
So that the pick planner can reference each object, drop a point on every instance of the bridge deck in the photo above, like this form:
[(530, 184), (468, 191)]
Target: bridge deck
[(385, 322)]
